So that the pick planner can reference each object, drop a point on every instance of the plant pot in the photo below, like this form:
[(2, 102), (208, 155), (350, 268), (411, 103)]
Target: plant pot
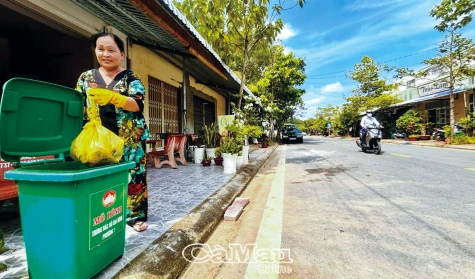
[(245, 154), (199, 152), (210, 152), (206, 163), (265, 146), (424, 137), (239, 161), (229, 162), (413, 138), (218, 161)]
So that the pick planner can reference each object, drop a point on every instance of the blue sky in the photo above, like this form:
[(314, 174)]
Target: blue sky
[(333, 35)]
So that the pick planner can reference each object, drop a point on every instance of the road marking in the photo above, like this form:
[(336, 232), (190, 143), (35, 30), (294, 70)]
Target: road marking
[(401, 155), (472, 169), (269, 236)]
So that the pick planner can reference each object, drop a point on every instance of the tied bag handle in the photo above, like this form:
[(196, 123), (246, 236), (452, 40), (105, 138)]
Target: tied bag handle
[(92, 110)]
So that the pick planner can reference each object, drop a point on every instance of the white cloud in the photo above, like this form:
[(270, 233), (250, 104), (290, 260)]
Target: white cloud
[(286, 33), (360, 5), (402, 24), (315, 101), (333, 88), (288, 50)]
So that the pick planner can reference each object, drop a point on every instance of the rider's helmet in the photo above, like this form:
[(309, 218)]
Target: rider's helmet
[(369, 112)]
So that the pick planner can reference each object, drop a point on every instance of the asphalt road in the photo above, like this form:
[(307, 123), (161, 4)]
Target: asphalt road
[(408, 213)]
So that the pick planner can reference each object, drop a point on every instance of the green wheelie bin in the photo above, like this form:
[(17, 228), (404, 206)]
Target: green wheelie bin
[(72, 216)]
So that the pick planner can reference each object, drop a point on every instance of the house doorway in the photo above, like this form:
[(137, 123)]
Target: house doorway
[(204, 113), (41, 50)]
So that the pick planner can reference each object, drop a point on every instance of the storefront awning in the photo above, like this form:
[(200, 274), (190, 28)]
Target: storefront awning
[(425, 98), (160, 26)]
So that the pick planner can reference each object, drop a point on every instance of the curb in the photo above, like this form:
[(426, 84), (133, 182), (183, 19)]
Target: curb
[(451, 146), (165, 257)]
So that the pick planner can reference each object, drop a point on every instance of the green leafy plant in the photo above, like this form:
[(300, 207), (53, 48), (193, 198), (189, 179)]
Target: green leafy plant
[(230, 145), (207, 158), (252, 131), (464, 139), (2, 245), (468, 122), (265, 141), (210, 133), (447, 130), (217, 152), (410, 122)]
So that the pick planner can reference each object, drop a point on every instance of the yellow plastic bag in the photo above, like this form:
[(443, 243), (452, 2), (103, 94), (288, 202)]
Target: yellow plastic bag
[(96, 145)]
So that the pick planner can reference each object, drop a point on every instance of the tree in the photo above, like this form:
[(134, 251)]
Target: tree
[(372, 92), (327, 114), (368, 75), (279, 87), (455, 52), (236, 28)]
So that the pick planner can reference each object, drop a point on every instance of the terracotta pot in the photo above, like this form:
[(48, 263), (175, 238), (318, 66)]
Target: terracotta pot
[(425, 137), (413, 138), (218, 161), (206, 163), (265, 146)]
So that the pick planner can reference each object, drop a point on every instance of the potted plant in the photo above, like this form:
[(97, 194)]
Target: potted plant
[(229, 149), (265, 142), (199, 151), (448, 132), (210, 133), (218, 160), (206, 161), (411, 123), (249, 131), (239, 161), (424, 126)]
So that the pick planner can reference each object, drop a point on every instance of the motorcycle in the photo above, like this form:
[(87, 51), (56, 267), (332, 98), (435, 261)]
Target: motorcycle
[(373, 140), (438, 134)]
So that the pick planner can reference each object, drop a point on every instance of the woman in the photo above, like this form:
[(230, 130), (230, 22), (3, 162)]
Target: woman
[(121, 111)]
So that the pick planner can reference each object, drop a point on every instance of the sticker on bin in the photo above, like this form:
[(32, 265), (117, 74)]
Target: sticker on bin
[(106, 214)]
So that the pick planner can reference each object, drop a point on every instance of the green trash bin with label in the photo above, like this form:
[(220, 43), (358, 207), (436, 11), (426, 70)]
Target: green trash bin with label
[(72, 216)]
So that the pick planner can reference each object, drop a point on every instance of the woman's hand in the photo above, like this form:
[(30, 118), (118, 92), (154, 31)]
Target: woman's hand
[(104, 96)]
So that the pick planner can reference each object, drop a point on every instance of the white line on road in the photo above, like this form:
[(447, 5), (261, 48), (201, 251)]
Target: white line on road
[(401, 155), (269, 237)]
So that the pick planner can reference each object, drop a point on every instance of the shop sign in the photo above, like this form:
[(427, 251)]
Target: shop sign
[(224, 120)]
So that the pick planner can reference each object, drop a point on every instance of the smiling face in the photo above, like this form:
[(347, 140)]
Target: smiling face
[(108, 53)]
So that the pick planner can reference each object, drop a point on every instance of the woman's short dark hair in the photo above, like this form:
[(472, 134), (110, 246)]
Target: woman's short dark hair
[(117, 40)]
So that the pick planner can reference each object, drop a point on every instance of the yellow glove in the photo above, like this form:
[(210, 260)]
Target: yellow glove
[(104, 96)]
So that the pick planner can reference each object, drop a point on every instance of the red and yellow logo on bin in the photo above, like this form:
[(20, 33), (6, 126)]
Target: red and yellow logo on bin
[(109, 198)]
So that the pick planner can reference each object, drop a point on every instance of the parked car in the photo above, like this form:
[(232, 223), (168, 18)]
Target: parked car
[(398, 134), (292, 134)]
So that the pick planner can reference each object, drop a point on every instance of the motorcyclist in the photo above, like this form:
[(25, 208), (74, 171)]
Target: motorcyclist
[(366, 121)]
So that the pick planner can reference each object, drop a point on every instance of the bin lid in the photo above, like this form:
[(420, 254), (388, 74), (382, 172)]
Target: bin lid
[(38, 118)]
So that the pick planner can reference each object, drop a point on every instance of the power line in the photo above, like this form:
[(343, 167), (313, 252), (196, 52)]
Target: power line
[(405, 56), (394, 59)]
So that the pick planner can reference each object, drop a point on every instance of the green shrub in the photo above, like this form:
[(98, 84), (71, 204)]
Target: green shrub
[(464, 139)]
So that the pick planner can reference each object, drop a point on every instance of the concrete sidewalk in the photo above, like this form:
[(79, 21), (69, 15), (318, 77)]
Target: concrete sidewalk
[(190, 199), (425, 143)]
